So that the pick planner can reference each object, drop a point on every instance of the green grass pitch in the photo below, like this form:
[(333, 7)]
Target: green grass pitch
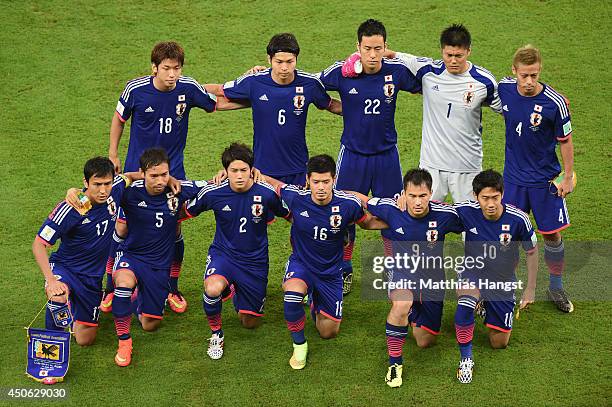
[(65, 64)]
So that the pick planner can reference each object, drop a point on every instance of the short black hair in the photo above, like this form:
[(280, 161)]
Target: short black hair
[(99, 167), (370, 28), (456, 35), (488, 179), (153, 157), (284, 42), (237, 151), (321, 164), (418, 176)]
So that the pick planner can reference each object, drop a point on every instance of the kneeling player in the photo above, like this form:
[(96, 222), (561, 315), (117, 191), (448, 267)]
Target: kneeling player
[(494, 231), (238, 255), (418, 231), (321, 217), (74, 272), (145, 256)]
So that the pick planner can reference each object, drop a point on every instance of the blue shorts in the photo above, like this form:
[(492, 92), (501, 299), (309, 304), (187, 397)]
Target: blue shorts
[(549, 209), (250, 283), (380, 173), (499, 304), (427, 305), (293, 179), (85, 294), (153, 288), (325, 291), (499, 314)]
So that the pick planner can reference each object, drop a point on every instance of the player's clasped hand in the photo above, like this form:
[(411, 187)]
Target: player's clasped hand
[(566, 186), (55, 288), (72, 198), (352, 66), (116, 162), (527, 298), (255, 69), (222, 176), (175, 185)]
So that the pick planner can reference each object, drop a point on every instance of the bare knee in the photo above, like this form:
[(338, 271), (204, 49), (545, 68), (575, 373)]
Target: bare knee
[(499, 340), (327, 329), (85, 340), (213, 286), (425, 341), (85, 335), (250, 321), (150, 324), (328, 334)]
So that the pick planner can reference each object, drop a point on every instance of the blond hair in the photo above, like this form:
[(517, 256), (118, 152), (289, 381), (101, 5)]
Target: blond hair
[(527, 55)]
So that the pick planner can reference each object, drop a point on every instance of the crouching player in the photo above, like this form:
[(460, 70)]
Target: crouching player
[(144, 258), (238, 255), (321, 217), (418, 231), (74, 272), (494, 231)]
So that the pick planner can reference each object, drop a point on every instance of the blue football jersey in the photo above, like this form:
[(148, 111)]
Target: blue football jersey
[(428, 232), (534, 125), (152, 221), (497, 242), (85, 239), (160, 119), (279, 118), (368, 104), (241, 219), (317, 232)]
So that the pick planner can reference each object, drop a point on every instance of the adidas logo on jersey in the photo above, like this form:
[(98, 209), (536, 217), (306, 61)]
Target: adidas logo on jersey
[(435, 87), (474, 231), (85, 221), (142, 204), (505, 108), (305, 214), (226, 208), (149, 110), (400, 230), (353, 92), (264, 97)]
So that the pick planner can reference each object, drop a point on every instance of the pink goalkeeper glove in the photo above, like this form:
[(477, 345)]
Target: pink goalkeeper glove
[(352, 66)]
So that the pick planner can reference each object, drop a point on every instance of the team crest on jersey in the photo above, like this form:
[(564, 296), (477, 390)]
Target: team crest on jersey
[(335, 221), (432, 235), (535, 119), (298, 102), (468, 98), (505, 239), (172, 202), (389, 89), (257, 210), (111, 206), (180, 110)]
